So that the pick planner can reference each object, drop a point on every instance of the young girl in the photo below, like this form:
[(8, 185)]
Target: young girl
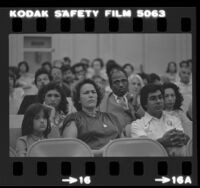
[(35, 126)]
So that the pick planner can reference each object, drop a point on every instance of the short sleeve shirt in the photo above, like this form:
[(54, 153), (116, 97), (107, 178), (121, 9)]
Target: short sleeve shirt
[(154, 128), (94, 131)]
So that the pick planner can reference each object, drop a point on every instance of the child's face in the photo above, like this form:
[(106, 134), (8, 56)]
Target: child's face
[(39, 122)]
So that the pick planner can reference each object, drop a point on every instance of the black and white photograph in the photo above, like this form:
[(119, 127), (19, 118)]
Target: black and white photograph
[(100, 95)]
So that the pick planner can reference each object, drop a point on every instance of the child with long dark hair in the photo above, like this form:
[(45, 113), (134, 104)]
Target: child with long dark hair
[(35, 127)]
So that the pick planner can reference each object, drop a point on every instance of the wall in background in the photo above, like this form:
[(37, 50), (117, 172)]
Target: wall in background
[(153, 51)]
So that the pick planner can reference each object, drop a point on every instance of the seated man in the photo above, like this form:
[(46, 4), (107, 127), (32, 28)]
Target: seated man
[(42, 77), (119, 102), (157, 125)]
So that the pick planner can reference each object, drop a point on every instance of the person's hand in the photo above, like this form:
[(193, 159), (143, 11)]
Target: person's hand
[(166, 139), (173, 138), (52, 112), (133, 102)]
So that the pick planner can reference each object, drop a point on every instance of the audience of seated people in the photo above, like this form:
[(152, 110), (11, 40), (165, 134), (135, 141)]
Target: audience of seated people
[(108, 104), (42, 77), (158, 125)]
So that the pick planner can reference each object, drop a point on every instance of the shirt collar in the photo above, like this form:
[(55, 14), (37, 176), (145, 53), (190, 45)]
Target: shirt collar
[(117, 97), (148, 117)]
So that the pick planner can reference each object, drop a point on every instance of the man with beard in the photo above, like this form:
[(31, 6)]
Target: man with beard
[(158, 125), (119, 102), (42, 77)]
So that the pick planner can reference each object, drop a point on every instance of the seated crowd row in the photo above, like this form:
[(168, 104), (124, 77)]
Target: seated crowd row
[(82, 107)]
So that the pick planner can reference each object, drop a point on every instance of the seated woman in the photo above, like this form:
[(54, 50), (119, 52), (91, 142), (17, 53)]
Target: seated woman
[(93, 127), (52, 96), (172, 105), (35, 126)]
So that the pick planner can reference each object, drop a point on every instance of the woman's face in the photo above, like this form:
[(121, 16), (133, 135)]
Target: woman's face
[(172, 67), (97, 66), (169, 98), (135, 85), (39, 122), (52, 98), (88, 96), (22, 68), (128, 70)]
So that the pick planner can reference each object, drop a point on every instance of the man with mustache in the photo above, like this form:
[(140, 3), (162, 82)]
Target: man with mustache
[(157, 125)]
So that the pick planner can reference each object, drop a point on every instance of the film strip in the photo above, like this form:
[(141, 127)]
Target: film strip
[(100, 171)]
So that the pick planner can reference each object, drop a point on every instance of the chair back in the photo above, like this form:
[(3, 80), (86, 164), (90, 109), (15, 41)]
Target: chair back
[(134, 147), (59, 147)]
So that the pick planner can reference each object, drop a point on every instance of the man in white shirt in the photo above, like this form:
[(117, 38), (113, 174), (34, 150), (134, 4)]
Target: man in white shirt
[(157, 125)]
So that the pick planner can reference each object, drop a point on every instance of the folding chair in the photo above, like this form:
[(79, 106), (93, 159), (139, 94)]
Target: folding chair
[(59, 147), (134, 147)]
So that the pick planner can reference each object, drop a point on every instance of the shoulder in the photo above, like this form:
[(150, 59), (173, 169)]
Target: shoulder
[(22, 141)]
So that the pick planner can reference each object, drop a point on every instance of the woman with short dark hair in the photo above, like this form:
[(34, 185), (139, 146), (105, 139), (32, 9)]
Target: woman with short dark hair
[(88, 124)]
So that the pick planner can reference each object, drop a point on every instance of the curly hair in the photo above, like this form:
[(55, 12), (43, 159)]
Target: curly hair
[(41, 71), (30, 114), (76, 93), (54, 86), (179, 96)]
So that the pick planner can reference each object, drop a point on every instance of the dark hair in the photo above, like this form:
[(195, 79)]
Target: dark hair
[(47, 63), (26, 65), (41, 71), (67, 59), (54, 86), (76, 93), (14, 70), (128, 64), (109, 65), (179, 96), (65, 68), (31, 112), (78, 65), (98, 59), (146, 90), (182, 63), (144, 76), (169, 64), (153, 77), (114, 69)]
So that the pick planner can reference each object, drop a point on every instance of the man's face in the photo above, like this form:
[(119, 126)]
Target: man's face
[(155, 103), (68, 76), (119, 83), (80, 72), (185, 75), (42, 80)]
